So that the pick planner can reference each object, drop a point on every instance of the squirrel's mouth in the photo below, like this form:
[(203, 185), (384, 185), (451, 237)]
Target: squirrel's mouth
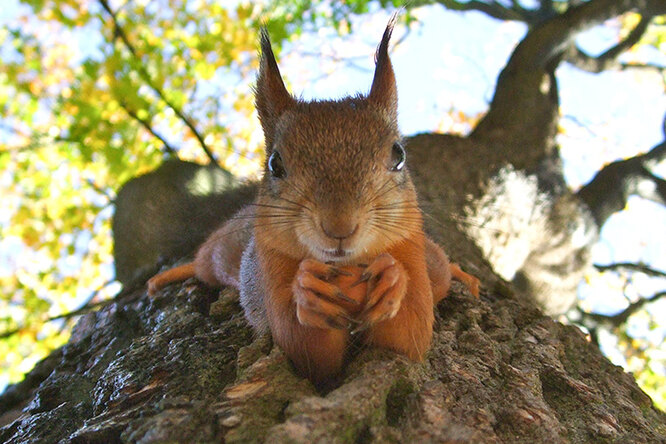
[(336, 254)]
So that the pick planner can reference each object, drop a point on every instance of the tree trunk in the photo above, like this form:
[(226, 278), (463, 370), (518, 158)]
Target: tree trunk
[(185, 367)]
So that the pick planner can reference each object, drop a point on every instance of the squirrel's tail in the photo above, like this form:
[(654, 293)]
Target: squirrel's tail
[(176, 274)]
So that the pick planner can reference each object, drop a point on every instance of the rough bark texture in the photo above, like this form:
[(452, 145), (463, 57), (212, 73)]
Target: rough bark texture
[(179, 368), (186, 367), (526, 222)]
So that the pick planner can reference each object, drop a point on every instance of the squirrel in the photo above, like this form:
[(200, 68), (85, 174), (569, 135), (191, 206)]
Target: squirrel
[(335, 202)]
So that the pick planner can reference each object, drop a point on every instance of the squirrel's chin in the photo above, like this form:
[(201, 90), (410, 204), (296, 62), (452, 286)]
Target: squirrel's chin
[(334, 255)]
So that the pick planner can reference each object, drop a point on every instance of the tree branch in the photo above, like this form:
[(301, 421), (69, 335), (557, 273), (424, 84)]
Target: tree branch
[(146, 124), (610, 188), (648, 66), (514, 12), (524, 109), (607, 60), (101, 191), (492, 9), (85, 308), (120, 33), (642, 268), (551, 39), (620, 318), (11, 129)]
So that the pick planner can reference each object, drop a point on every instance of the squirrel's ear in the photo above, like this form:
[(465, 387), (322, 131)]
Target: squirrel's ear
[(383, 91), (272, 98)]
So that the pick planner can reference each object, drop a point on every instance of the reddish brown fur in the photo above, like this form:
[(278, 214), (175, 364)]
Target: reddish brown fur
[(439, 270), (410, 331), (316, 353), (217, 262), (340, 201)]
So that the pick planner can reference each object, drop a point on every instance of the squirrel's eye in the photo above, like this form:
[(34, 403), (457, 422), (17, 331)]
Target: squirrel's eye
[(275, 165), (397, 157)]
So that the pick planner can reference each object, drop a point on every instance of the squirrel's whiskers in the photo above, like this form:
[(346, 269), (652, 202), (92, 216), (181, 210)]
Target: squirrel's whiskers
[(336, 202)]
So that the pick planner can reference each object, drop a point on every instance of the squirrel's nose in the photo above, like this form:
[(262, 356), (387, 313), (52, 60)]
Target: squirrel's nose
[(339, 229)]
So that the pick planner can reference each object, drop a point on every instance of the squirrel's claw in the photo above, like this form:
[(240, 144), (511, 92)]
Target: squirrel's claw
[(387, 285), (363, 278), (359, 328), (344, 297), (314, 311), (320, 303), (324, 271), (335, 271)]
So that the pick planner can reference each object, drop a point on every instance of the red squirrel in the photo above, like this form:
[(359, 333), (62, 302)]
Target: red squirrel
[(336, 201)]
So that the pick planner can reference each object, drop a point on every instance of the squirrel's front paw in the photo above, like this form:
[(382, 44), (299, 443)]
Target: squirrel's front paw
[(386, 287), (319, 302)]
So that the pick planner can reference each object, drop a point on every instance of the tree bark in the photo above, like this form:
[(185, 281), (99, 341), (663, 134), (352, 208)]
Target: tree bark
[(185, 367)]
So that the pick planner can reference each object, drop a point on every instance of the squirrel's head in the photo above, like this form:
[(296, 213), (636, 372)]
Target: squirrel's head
[(335, 184)]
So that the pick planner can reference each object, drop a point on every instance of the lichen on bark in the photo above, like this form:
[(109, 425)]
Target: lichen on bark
[(172, 369)]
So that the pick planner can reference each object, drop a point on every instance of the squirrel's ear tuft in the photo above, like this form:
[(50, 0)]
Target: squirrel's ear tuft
[(271, 96), (383, 91)]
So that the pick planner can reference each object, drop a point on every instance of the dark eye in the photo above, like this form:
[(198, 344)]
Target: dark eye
[(397, 157), (275, 165)]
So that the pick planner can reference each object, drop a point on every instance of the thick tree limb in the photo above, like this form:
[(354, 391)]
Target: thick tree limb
[(179, 368), (552, 38), (524, 110), (609, 190), (493, 9), (608, 60), (120, 33), (514, 12), (545, 11)]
